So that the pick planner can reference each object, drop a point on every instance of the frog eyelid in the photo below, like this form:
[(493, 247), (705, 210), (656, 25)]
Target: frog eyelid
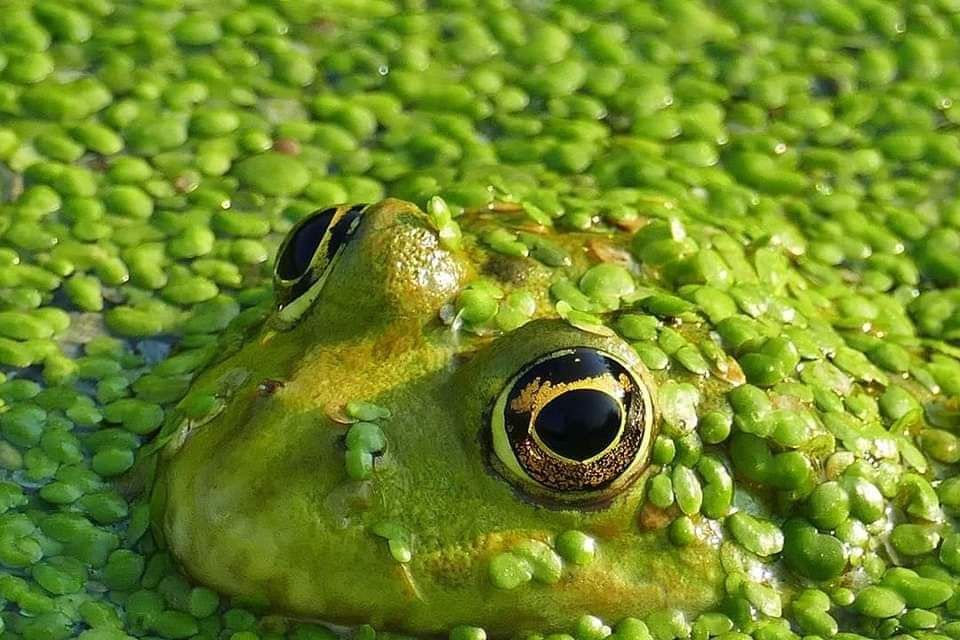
[(289, 313), (289, 289)]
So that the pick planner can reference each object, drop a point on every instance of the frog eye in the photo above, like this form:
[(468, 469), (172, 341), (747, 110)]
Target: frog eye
[(576, 421), (310, 247)]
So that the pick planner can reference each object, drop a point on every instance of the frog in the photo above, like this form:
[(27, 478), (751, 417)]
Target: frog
[(479, 421)]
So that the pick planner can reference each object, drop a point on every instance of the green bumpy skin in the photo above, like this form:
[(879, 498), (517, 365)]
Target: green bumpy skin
[(256, 502)]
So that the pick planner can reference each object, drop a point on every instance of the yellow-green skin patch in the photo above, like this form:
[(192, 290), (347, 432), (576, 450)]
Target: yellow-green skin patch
[(256, 502)]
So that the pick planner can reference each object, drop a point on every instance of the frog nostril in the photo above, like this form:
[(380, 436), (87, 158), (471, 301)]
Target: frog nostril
[(268, 387)]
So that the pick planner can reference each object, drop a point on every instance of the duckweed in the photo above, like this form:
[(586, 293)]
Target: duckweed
[(879, 602), (398, 539), (829, 505), (815, 555), (545, 563), (509, 571), (914, 539), (467, 633), (682, 531), (787, 169), (687, 490), (576, 547), (364, 440)]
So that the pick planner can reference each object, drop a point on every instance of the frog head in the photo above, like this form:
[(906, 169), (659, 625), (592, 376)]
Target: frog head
[(369, 461)]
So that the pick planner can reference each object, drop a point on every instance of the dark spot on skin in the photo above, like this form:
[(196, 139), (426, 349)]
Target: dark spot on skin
[(508, 269), (460, 359), (268, 387)]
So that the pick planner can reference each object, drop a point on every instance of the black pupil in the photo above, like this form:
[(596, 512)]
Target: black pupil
[(579, 424), (296, 258)]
